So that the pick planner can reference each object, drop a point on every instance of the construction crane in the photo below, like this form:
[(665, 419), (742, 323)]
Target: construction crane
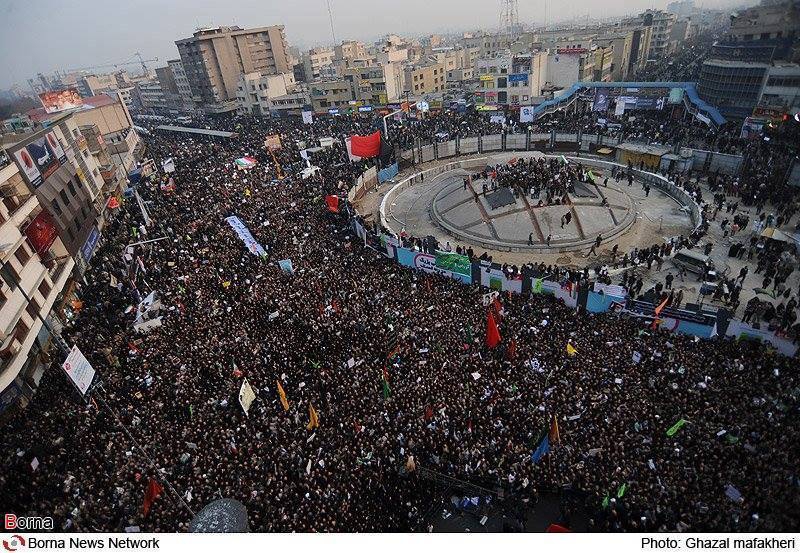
[(115, 65)]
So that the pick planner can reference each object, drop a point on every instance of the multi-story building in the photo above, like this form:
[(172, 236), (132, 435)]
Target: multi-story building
[(150, 96), (661, 43), (736, 75), (332, 94), (460, 78), (35, 269), (507, 80), (92, 85), (603, 63), (256, 91), (781, 90), (426, 77), (58, 168), (350, 49), (214, 58), (181, 83), (318, 63), (292, 103), (377, 84), (566, 66)]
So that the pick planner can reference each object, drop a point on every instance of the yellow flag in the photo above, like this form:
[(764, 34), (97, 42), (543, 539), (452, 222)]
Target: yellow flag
[(226, 283), (247, 192), (571, 349), (313, 419), (283, 396)]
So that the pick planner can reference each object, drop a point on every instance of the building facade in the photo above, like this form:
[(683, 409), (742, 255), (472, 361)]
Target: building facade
[(428, 77), (214, 58), (35, 269)]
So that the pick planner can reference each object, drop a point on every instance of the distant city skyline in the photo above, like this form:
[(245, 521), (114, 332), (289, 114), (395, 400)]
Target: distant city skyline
[(77, 34)]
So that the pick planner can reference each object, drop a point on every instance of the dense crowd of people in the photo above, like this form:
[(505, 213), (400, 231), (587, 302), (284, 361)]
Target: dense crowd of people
[(392, 366)]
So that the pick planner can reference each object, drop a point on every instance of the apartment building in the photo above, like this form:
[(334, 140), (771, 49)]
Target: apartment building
[(427, 77), (350, 49), (184, 90), (256, 91), (333, 94), (214, 58), (507, 80), (377, 84), (34, 270), (318, 63)]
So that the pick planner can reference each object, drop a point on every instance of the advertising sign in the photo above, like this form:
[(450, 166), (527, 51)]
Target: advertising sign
[(91, 243), (487, 78), (40, 158), (453, 262), (79, 370), (59, 100), (518, 78)]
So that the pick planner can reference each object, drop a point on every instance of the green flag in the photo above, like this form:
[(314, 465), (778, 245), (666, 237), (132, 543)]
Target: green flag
[(386, 390), (605, 502), (622, 489), (675, 427), (191, 412)]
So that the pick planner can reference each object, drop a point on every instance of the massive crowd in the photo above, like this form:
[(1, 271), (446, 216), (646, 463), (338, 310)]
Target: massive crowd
[(395, 366)]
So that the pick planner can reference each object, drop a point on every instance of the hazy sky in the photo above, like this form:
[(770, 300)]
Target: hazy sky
[(45, 35)]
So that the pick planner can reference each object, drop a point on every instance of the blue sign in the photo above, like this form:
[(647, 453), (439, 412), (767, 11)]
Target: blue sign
[(364, 108), (91, 243), (333, 111), (518, 78)]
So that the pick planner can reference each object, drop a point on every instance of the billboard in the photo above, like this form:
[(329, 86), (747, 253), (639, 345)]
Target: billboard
[(427, 263), (675, 95), (453, 262), (41, 232), (40, 158), (59, 100), (518, 78)]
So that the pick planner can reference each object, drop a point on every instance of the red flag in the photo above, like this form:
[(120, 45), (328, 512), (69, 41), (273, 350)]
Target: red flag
[(385, 375), (366, 146), (492, 334), (333, 203), (154, 489), (498, 308), (428, 412)]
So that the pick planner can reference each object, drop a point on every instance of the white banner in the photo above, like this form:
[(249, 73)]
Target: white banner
[(308, 117), (168, 165), (526, 114), (79, 370), (246, 396), (244, 233), (348, 145)]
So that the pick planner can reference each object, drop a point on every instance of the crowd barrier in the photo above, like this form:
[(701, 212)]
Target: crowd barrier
[(598, 299)]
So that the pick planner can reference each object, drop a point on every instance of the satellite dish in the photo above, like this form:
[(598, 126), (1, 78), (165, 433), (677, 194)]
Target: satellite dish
[(221, 516)]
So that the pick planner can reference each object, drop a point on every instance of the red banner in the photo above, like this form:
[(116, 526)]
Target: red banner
[(366, 146), (41, 232)]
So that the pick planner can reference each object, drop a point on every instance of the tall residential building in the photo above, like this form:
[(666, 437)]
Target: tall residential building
[(350, 49), (256, 90), (181, 83), (660, 22), (510, 80), (214, 58), (35, 269)]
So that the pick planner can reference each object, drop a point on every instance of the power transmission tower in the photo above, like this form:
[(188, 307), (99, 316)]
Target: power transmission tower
[(509, 17)]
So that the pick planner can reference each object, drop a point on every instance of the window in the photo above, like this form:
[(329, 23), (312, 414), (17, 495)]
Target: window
[(71, 234), (22, 254), (63, 196), (56, 207), (33, 309), (12, 272), (85, 154), (21, 330), (71, 188), (44, 289)]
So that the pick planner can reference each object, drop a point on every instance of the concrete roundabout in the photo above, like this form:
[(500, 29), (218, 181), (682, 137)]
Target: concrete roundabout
[(503, 220)]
